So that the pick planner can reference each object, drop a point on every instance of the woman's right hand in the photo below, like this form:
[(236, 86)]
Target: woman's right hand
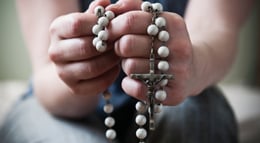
[(85, 70)]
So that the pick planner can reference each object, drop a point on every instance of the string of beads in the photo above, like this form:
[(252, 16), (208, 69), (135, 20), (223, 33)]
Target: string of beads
[(155, 81), (100, 43), (99, 29)]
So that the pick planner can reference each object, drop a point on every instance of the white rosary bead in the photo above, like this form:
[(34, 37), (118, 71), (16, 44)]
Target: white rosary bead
[(163, 51), (103, 21), (146, 6), (163, 36), (101, 46), (164, 82), (140, 120), (110, 122), (160, 22), (96, 29), (157, 7), (152, 30), (99, 10), (110, 15), (140, 107), (95, 40), (160, 95), (108, 108), (111, 134), (103, 35), (163, 66), (141, 133)]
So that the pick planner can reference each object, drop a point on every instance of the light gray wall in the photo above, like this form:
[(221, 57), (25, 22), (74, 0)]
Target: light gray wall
[(245, 69), (14, 62)]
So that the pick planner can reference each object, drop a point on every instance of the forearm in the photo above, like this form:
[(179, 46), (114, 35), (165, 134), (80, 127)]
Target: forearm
[(35, 18), (213, 58), (214, 28)]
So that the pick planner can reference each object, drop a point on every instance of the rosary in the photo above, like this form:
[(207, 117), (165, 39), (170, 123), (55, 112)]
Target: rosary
[(154, 80)]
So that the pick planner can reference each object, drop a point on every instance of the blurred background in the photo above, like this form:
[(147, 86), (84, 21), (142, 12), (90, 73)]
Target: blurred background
[(241, 85)]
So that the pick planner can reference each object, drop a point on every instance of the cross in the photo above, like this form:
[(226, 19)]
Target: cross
[(151, 80)]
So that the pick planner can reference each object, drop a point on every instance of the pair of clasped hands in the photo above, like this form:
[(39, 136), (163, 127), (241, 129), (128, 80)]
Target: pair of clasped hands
[(89, 72)]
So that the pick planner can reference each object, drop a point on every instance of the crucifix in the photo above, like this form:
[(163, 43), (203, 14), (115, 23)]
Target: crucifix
[(154, 80), (151, 80)]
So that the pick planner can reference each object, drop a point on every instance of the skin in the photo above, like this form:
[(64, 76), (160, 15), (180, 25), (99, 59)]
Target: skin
[(69, 74)]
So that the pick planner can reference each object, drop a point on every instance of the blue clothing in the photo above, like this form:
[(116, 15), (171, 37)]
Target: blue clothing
[(206, 118)]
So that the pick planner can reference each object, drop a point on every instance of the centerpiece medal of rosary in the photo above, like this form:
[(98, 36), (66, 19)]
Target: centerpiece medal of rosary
[(155, 80)]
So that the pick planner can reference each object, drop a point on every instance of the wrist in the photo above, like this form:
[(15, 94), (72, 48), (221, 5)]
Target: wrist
[(203, 76), (56, 97)]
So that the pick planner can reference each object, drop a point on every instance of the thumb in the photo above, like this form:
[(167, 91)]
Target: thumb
[(123, 6), (96, 3)]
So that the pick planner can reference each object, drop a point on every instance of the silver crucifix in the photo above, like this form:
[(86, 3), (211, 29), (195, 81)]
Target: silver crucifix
[(151, 80)]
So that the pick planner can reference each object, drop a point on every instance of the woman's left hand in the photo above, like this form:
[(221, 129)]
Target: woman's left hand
[(133, 44)]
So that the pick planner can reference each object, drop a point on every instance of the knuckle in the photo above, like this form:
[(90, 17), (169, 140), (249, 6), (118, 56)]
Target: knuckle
[(53, 27), (62, 74), (125, 45), (75, 26), (56, 24), (69, 23), (130, 20), (89, 69), (129, 66), (52, 53), (83, 48), (75, 23)]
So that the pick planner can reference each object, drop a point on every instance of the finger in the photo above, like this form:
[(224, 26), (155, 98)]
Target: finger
[(128, 84), (138, 65), (88, 69), (96, 85), (72, 26), (123, 6), (174, 97), (135, 46), (179, 43), (74, 49), (96, 3), (135, 65), (136, 22)]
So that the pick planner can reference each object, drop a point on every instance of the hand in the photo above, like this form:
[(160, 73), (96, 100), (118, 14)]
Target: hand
[(133, 45), (78, 64)]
